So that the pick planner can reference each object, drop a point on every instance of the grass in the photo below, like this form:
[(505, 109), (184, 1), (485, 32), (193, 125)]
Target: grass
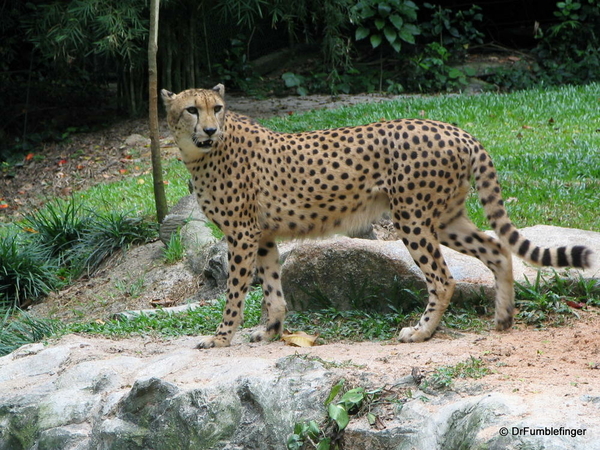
[(555, 300), (175, 250), (199, 321), (444, 377)]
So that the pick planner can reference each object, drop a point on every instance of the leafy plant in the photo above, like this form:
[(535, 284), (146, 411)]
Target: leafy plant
[(26, 270), (235, 69), (391, 21), (454, 30), (58, 243), (443, 377), (569, 51), (431, 70), (294, 80), (23, 329), (353, 402)]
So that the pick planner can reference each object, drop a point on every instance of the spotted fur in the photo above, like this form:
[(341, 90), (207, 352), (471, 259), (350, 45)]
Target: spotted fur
[(257, 185)]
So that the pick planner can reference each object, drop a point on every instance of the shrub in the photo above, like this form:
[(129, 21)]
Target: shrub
[(23, 329), (26, 270), (61, 242)]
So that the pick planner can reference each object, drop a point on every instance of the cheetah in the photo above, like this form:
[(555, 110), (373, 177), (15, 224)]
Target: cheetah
[(257, 185)]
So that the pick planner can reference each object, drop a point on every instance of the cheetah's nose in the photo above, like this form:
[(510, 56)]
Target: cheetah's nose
[(210, 131)]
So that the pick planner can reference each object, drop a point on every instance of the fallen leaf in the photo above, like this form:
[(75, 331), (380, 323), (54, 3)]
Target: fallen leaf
[(62, 162), (299, 339), (575, 305), (527, 127), (29, 157)]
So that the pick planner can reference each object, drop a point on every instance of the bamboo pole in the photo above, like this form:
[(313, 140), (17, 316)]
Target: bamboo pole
[(160, 198)]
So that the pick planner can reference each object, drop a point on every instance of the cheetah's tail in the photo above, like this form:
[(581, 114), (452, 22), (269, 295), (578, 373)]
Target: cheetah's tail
[(491, 198)]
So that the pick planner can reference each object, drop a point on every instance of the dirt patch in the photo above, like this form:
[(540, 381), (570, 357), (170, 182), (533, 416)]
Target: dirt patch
[(528, 362)]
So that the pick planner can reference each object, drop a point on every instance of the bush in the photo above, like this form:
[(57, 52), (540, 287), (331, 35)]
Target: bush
[(60, 243), (26, 270), (23, 329)]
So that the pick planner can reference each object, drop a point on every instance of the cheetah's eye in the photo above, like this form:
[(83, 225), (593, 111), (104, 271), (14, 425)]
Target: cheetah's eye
[(192, 110), (218, 109)]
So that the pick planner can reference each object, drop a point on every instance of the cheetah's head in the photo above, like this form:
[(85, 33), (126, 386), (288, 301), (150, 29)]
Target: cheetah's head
[(195, 118)]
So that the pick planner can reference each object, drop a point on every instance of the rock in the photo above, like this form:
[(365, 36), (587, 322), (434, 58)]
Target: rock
[(124, 402), (478, 422), (212, 264), (381, 275), (187, 218), (137, 140), (90, 393), (348, 273)]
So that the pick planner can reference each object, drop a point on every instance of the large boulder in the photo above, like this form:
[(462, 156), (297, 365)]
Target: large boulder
[(91, 393), (56, 398), (381, 275)]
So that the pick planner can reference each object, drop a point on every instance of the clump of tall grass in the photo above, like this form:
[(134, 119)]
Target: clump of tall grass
[(27, 269), (23, 329), (59, 243)]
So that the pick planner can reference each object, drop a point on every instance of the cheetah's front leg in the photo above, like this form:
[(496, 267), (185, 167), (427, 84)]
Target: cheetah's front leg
[(241, 256), (274, 306)]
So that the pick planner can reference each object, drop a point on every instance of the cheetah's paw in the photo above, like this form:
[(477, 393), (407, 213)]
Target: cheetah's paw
[(262, 335), (211, 342), (413, 334)]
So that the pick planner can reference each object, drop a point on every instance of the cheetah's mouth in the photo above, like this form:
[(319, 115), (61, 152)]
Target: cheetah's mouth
[(204, 144)]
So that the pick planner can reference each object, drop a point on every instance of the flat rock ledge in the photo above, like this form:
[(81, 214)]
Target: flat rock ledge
[(90, 393)]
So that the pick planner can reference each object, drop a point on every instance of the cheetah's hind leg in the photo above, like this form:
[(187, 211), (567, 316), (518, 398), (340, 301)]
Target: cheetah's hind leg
[(425, 250), (463, 236), (274, 306)]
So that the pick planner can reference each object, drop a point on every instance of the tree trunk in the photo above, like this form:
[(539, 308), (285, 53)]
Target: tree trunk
[(160, 198)]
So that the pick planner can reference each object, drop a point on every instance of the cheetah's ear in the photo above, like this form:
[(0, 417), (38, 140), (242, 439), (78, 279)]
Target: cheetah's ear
[(167, 97), (219, 89)]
